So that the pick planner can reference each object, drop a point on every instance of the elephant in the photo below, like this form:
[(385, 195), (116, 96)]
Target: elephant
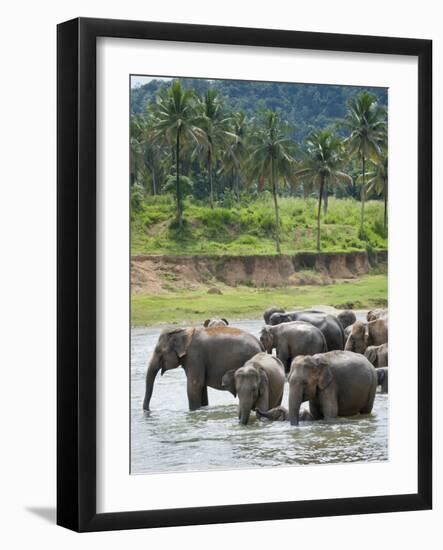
[(382, 379), (336, 383), (205, 355), (328, 324), (357, 340), (378, 313), (281, 414), (270, 311), (364, 334), (377, 332), (346, 317), (292, 339), (276, 414), (377, 355), (258, 383), (216, 322)]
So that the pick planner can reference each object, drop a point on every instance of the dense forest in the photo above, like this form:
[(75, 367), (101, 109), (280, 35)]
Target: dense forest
[(227, 144), (306, 107)]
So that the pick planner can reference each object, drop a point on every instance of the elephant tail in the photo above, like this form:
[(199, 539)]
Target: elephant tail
[(325, 344)]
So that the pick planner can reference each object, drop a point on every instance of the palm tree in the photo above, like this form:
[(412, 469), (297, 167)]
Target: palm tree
[(215, 124), (378, 182), (366, 121), (323, 160), (175, 120), (235, 153), (271, 157), (148, 159)]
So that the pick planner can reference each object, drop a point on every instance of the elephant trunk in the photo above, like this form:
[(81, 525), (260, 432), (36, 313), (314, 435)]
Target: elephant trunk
[(349, 345), (153, 369), (244, 410), (295, 401)]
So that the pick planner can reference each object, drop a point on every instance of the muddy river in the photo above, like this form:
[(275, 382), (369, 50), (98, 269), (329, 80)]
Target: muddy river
[(172, 439)]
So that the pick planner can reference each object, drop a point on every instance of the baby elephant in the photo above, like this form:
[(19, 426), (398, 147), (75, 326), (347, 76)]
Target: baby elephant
[(382, 379), (258, 384), (377, 355), (282, 414), (216, 322), (292, 339), (337, 383)]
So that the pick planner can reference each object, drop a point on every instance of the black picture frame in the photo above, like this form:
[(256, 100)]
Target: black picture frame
[(76, 280)]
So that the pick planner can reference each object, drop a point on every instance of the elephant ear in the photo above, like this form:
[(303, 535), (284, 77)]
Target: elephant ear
[(206, 323), (180, 340), (263, 386), (325, 376), (228, 382), (267, 335), (225, 320)]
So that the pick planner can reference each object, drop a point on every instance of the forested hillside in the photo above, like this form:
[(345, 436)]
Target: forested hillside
[(306, 107), (227, 145)]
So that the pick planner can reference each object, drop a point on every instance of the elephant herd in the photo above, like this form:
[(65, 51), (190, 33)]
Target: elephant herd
[(334, 362)]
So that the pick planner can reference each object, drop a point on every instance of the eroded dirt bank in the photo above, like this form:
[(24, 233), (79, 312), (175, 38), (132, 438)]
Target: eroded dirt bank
[(159, 274)]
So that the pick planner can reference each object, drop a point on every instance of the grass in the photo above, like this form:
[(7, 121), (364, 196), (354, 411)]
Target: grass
[(242, 302), (250, 227)]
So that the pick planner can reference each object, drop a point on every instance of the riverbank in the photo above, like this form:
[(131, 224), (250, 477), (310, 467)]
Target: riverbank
[(243, 302), (160, 274)]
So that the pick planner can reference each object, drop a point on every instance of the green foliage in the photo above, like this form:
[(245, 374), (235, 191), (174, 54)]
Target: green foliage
[(137, 196), (185, 184), (249, 229)]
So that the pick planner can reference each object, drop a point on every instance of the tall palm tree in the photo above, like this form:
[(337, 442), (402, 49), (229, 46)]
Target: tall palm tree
[(366, 121), (271, 157), (176, 120), (235, 152), (378, 182), (215, 123), (322, 165)]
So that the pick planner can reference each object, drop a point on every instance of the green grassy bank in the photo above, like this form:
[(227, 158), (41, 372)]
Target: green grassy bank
[(249, 227), (242, 302)]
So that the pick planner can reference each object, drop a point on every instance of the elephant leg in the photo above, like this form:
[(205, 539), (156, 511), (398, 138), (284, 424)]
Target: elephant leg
[(329, 404), (285, 358), (368, 408), (195, 392), (315, 410), (204, 396)]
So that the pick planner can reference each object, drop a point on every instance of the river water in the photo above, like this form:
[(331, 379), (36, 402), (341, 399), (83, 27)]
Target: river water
[(172, 439)]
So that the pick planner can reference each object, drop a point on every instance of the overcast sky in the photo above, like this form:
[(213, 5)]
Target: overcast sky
[(137, 81)]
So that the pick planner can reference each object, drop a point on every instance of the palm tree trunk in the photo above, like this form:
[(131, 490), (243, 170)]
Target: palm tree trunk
[(325, 199), (177, 181), (274, 192), (320, 195), (237, 185), (211, 189), (154, 183), (362, 198)]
